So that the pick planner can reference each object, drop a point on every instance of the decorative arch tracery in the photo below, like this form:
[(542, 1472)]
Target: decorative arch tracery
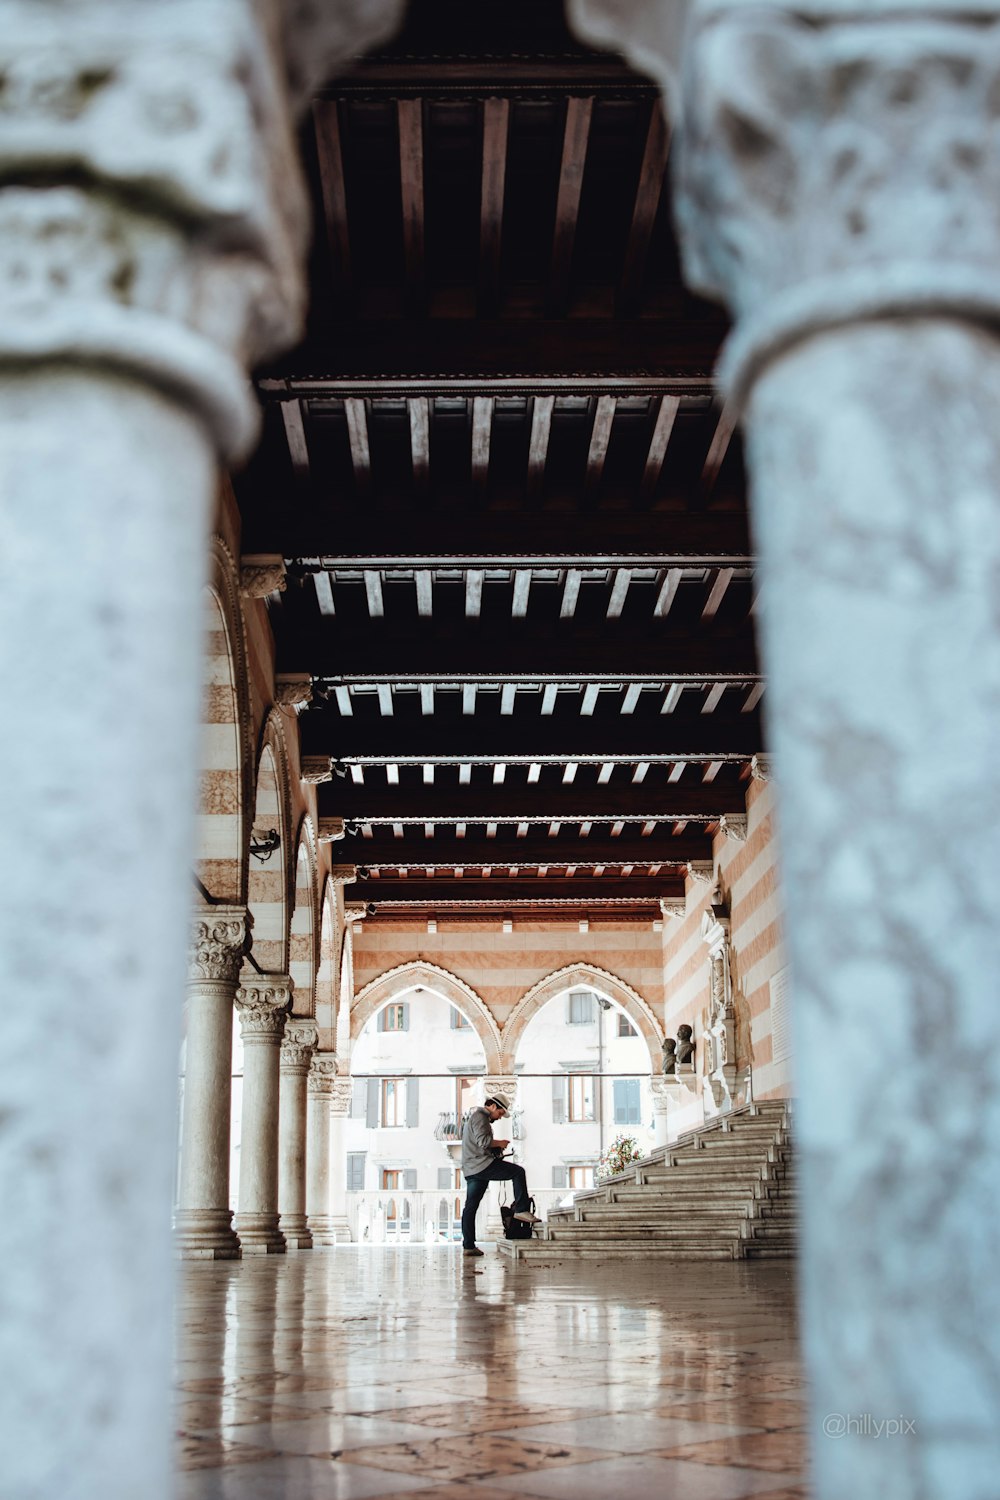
[(396, 982), (582, 976)]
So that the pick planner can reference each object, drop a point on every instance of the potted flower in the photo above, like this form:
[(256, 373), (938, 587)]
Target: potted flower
[(623, 1149)]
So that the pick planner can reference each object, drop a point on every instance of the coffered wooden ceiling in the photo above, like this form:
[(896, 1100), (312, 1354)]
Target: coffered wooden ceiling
[(512, 513)]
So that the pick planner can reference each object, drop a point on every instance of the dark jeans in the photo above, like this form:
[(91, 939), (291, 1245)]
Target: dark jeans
[(500, 1171)]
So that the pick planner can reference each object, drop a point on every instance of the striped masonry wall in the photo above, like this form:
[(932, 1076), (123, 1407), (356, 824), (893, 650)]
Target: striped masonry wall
[(220, 814)]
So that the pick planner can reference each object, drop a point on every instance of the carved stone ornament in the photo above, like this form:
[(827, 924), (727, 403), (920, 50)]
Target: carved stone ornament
[(701, 870), (316, 769), (506, 1086), (838, 168), (331, 830), (292, 689), (322, 1073), (341, 1094), (262, 573), (675, 909), (734, 826), (355, 911), (343, 874), (664, 1092), (174, 251), (297, 1045), (762, 768), (218, 939), (263, 1002)]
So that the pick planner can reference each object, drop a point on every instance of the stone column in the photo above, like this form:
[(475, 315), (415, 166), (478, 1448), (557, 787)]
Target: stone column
[(322, 1073), (203, 1223), (263, 1001), (296, 1054), (664, 1092), (338, 1227), (153, 227), (839, 176)]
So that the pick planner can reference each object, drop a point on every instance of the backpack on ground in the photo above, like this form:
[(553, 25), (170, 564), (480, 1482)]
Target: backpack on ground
[(515, 1229)]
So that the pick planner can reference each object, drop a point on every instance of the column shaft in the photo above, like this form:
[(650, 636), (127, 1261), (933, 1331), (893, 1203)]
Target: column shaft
[(263, 1002), (296, 1053)]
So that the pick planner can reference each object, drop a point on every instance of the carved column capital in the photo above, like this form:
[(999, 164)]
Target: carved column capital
[(297, 1044), (501, 1084), (315, 769), (341, 1093), (762, 768), (263, 1002), (701, 870), (664, 1092), (262, 573), (292, 689), (675, 909), (172, 250), (218, 939), (734, 826), (331, 830), (837, 168), (322, 1073)]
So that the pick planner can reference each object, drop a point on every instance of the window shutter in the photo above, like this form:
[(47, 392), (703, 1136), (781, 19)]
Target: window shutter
[(405, 1024), (410, 1180), (355, 1171), (412, 1102), (454, 1019), (444, 1177), (359, 1093), (621, 1101), (634, 1112), (559, 1100), (558, 1177), (383, 1017), (371, 1112)]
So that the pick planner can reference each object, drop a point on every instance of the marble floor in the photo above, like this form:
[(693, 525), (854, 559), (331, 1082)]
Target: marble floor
[(354, 1373)]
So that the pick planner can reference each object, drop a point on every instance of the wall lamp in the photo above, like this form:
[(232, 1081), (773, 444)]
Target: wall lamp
[(265, 844)]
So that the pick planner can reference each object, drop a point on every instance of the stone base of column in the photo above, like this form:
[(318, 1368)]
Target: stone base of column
[(328, 1229), (205, 1234), (296, 1231), (259, 1234)]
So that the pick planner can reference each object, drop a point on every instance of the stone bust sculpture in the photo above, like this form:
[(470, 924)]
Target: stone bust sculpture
[(685, 1045), (669, 1059)]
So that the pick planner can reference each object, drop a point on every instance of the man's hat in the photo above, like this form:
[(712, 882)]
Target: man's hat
[(499, 1101)]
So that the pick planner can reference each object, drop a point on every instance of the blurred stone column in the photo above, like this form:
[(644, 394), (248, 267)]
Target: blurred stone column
[(203, 1222), (837, 175), (263, 1002), (296, 1054), (154, 227)]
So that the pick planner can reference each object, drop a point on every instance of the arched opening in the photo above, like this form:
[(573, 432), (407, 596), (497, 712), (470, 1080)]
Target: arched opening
[(302, 939)]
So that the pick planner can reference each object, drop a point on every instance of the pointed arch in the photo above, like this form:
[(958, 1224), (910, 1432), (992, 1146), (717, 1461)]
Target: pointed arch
[(303, 958), (327, 967), (583, 976), (226, 783), (270, 882), (395, 983)]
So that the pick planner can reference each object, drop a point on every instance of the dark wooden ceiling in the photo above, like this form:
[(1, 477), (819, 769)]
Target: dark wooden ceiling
[(512, 513)]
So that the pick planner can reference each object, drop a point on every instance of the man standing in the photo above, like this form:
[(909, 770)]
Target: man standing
[(482, 1163)]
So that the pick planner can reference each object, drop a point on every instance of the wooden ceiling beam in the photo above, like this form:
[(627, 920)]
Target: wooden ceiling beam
[(469, 739), (411, 179), (585, 890), (600, 437), (647, 202), (659, 439), (534, 803), (418, 410), (295, 434), (326, 122), (356, 412), (538, 445), (384, 851), (717, 450), (482, 432), (496, 122), (576, 136)]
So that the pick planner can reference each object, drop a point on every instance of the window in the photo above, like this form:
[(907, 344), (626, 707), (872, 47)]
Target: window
[(449, 1177), (627, 1101), (581, 1177), (463, 1098), (558, 1177), (458, 1021), (581, 1096), (393, 1110), (580, 1011), (391, 1179), (355, 1171), (625, 1027), (394, 1017)]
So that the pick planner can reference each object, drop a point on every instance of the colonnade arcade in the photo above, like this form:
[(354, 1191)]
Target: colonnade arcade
[(836, 186)]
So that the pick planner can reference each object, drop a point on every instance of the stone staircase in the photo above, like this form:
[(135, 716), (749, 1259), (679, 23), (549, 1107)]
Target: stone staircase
[(723, 1192)]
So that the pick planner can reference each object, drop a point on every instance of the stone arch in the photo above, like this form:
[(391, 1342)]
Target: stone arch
[(226, 792), (302, 945), (270, 882), (583, 976), (395, 982), (327, 967)]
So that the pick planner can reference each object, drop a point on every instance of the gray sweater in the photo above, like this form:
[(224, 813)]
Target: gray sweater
[(477, 1138)]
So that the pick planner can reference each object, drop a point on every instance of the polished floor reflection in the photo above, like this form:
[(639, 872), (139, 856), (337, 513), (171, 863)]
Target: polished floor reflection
[(356, 1373)]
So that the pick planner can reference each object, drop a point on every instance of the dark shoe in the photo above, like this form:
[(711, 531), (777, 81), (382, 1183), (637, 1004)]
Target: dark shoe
[(472, 1250), (528, 1218)]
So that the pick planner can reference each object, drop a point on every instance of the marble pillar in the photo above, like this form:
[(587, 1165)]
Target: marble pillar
[(263, 1002), (665, 1091), (838, 187), (203, 1222), (154, 226), (296, 1054), (320, 1082), (338, 1225)]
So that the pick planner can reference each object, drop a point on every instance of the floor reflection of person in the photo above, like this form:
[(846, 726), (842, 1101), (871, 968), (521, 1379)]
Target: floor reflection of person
[(483, 1163)]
